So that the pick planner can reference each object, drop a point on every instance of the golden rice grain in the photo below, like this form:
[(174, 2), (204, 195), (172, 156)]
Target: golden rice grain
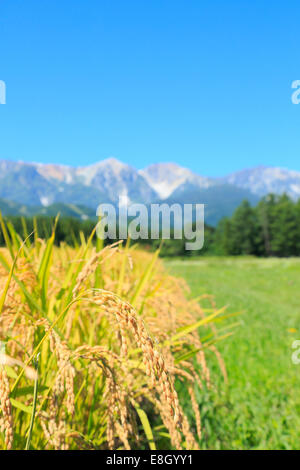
[(105, 356)]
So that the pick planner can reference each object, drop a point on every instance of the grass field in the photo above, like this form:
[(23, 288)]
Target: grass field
[(260, 409)]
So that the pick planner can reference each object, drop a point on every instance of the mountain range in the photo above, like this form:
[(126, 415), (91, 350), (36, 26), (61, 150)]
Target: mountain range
[(35, 188)]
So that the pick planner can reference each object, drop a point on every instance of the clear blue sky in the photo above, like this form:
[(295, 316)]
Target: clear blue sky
[(206, 84)]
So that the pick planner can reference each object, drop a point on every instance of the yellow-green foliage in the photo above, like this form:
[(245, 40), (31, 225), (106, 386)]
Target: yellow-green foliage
[(93, 343)]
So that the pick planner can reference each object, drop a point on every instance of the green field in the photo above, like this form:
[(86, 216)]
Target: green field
[(260, 409)]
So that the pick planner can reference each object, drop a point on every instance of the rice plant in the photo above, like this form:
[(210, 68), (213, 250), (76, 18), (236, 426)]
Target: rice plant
[(94, 341)]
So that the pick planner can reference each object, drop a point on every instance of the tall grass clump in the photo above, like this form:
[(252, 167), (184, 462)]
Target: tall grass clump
[(95, 343)]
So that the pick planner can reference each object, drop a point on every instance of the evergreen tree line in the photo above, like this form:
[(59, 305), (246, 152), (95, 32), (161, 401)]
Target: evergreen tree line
[(71, 230), (68, 229), (272, 228)]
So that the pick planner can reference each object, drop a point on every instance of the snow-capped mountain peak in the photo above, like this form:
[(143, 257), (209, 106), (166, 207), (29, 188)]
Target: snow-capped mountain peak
[(263, 180), (165, 178)]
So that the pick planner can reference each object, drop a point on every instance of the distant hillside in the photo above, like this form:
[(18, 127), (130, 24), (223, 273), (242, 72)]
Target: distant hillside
[(77, 191), (220, 200), (66, 210), (12, 208), (37, 184), (166, 178), (264, 180)]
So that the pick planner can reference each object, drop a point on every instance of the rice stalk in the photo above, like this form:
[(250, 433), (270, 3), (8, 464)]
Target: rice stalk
[(115, 339)]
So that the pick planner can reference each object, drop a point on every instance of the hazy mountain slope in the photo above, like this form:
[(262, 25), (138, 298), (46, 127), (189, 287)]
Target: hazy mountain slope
[(65, 210), (220, 200), (35, 184), (22, 183), (115, 179), (13, 208), (264, 180), (166, 178)]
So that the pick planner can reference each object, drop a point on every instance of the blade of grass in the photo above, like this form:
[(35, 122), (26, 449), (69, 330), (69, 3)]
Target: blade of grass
[(4, 294), (144, 279), (6, 237), (35, 392), (145, 423)]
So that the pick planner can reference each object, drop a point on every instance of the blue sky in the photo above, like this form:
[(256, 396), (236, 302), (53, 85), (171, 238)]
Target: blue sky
[(206, 84)]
